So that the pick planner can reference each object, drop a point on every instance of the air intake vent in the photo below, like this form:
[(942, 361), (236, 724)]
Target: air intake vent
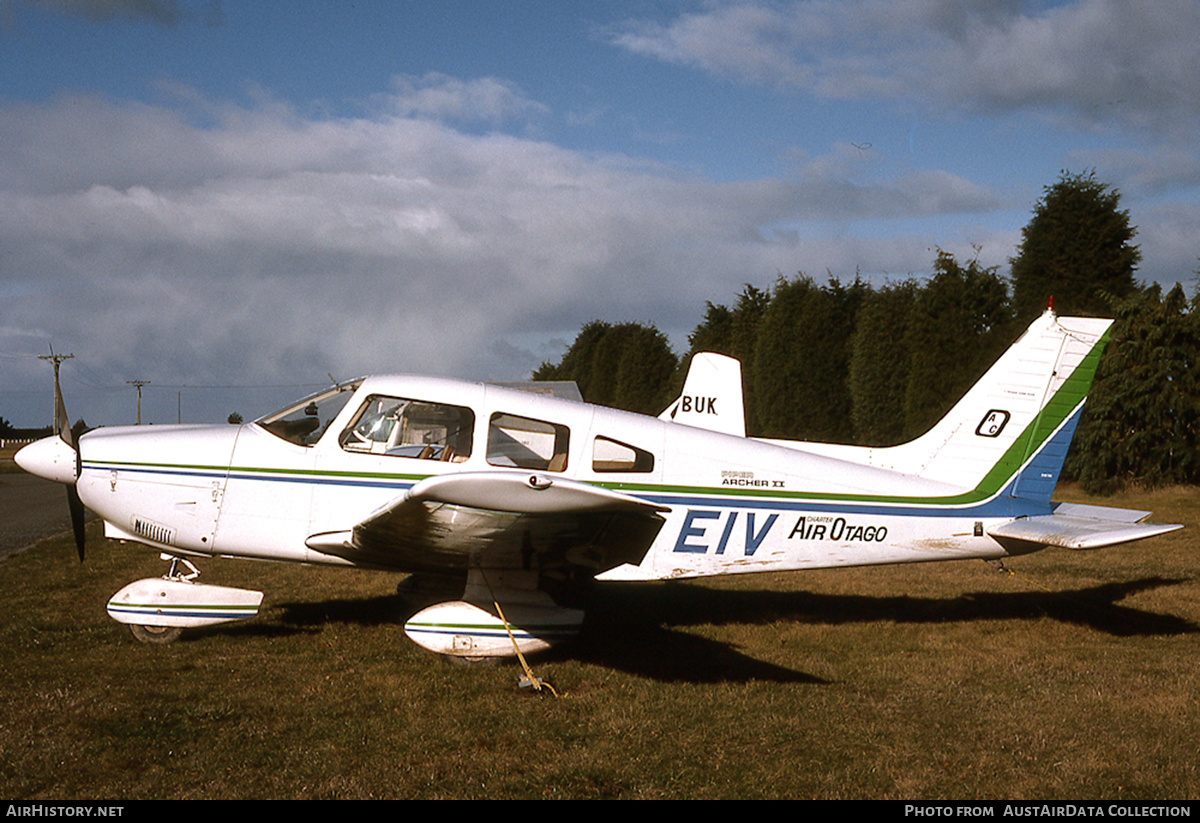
[(152, 531)]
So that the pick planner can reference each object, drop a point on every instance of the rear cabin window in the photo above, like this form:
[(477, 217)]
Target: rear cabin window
[(400, 427), (614, 456), (523, 443)]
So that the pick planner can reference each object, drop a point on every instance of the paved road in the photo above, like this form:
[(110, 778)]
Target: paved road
[(31, 509)]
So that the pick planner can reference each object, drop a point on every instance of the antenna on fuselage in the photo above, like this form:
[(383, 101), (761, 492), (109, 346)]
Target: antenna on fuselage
[(337, 384)]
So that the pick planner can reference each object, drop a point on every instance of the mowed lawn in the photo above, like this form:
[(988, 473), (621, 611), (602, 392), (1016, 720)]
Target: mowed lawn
[(1074, 676)]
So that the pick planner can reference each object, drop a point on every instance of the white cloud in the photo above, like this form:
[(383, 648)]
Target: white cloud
[(254, 245), (1098, 61), (436, 95), (1160, 167)]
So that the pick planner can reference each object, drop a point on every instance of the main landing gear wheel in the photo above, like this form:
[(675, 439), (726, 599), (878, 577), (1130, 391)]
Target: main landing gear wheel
[(156, 635)]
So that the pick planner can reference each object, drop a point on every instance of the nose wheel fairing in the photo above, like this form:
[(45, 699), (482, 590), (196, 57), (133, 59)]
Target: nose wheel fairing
[(176, 601)]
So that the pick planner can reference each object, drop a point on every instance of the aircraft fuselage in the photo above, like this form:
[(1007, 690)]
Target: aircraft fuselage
[(731, 504)]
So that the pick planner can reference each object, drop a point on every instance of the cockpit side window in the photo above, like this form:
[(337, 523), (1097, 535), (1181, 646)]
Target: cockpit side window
[(400, 427), (523, 443)]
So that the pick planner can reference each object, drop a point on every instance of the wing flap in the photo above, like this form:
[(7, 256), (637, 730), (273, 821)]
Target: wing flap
[(524, 493), (517, 520)]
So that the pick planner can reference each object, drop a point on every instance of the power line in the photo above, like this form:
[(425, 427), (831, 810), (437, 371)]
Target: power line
[(139, 384)]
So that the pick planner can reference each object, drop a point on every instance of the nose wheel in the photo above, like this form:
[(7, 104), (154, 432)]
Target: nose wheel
[(158, 609), (162, 635)]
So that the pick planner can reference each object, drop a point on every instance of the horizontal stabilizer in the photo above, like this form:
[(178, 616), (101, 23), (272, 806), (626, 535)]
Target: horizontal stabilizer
[(1074, 526)]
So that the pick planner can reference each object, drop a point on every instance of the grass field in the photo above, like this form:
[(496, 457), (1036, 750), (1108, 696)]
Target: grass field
[(1075, 677)]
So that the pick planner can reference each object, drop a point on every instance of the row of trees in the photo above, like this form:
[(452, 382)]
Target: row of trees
[(854, 363), (8, 430)]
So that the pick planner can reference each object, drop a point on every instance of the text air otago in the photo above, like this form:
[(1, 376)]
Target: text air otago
[(711, 531)]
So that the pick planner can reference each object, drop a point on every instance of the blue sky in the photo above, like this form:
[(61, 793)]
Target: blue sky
[(214, 196)]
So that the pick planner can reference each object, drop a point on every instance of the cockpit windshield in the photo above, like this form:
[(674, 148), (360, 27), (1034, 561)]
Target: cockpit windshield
[(304, 421)]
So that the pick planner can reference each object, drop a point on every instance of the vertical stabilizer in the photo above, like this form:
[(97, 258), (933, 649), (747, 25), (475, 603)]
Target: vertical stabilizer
[(1017, 421), (1013, 427)]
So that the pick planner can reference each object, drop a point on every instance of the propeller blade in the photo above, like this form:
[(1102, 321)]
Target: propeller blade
[(75, 505), (60, 415)]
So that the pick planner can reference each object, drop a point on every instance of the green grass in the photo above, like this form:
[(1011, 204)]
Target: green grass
[(1075, 677)]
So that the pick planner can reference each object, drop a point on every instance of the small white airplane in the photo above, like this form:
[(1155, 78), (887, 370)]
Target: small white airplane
[(523, 496)]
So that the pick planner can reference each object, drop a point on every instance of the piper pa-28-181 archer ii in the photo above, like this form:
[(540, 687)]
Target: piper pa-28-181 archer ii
[(522, 496)]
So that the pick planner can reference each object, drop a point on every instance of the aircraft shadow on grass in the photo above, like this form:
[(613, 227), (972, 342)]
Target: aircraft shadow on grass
[(1096, 607), (643, 629), (640, 645)]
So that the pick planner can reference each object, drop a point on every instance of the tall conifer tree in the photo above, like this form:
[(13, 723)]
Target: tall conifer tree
[(626, 366), (960, 323), (1077, 248), (1142, 420), (803, 358), (879, 365)]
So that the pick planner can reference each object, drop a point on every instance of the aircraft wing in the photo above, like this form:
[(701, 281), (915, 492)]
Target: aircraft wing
[(500, 520), (1077, 526)]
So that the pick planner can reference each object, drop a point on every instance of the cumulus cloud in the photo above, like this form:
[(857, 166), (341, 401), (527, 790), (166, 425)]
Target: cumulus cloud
[(1096, 61), (253, 244)]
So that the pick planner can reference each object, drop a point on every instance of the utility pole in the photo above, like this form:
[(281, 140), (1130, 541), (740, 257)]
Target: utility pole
[(139, 384), (56, 359)]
